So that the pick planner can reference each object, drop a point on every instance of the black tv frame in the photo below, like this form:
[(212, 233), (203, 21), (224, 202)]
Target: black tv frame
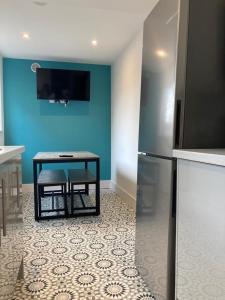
[(61, 100)]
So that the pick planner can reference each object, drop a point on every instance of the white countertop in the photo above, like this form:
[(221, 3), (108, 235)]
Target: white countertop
[(7, 152), (208, 156)]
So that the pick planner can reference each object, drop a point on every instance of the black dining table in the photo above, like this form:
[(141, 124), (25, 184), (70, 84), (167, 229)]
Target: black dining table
[(42, 158)]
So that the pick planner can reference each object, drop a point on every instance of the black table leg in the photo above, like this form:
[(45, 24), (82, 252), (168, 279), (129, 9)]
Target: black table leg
[(86, 185), (98, 186), (35, 191)]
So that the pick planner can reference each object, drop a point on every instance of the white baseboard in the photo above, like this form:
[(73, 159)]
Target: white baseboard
[(28, 188), (128, 198), (104, 184)]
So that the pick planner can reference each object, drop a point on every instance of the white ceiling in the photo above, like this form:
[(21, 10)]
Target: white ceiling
[(64, 29)]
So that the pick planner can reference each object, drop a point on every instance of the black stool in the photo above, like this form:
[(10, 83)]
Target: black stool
[(52, 178), (81, 177)]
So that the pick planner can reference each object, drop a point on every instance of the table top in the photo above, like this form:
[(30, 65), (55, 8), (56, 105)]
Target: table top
[(55, 156)]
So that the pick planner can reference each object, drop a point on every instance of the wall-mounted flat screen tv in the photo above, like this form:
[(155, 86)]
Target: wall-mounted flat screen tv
[(58, 84)]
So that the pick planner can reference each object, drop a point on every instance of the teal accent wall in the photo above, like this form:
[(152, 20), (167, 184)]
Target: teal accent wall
[(41, 126)]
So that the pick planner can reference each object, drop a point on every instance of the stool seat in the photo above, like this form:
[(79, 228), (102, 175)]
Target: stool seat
[(81, 176), (52, 177)]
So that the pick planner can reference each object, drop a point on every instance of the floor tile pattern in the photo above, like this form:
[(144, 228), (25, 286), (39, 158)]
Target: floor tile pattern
[(88, 258)]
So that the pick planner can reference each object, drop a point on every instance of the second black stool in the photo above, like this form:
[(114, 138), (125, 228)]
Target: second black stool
[(80, 177)]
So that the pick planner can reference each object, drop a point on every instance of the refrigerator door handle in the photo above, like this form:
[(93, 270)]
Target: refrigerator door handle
[(3, 207), (143, 153), (174, 194), (178, 123)]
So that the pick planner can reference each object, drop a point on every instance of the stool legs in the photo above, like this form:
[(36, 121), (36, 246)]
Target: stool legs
[(72, 197), (87, 189), (54, 208), (40, 191), (65, 199), (53, 198)]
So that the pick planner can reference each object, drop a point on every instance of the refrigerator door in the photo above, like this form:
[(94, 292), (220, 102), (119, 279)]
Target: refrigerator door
[(155, 226), (156, 134), (204, 111)]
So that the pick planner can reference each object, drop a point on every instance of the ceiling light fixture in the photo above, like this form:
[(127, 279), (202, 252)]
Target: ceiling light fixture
[(25, 36), (94, 43), (161, 53), (40, 3)]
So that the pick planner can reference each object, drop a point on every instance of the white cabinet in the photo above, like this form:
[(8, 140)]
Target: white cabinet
[(6, 246), (11, 226), (200, 261)]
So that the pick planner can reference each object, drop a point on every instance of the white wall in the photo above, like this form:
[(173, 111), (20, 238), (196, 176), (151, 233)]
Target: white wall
[(1, 102), (126, 86)]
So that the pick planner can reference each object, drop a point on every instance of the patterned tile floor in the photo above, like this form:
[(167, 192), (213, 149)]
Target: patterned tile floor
[(88, 258)]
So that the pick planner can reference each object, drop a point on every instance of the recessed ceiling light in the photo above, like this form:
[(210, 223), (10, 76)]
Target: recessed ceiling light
[(25, 36), (161, 53), (94, 43), (40, 3)]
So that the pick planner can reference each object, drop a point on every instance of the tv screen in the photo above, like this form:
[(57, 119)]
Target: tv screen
[(57, 84)]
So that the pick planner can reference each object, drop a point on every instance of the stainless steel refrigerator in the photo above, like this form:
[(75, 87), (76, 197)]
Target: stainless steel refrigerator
[(182, 106)]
